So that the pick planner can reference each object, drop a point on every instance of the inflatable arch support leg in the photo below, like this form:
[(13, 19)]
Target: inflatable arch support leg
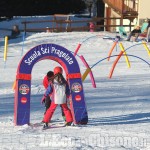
[(23, 82)]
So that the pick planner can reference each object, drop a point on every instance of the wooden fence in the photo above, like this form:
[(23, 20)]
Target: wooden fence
[(62, 25)]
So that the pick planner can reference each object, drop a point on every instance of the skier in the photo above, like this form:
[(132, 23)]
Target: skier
[(59, 89), (135, 33), (92, 27), (47, 100), (46, 81), (15, 32)]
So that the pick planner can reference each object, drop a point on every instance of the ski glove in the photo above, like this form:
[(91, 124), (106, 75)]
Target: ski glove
[(43, 99)]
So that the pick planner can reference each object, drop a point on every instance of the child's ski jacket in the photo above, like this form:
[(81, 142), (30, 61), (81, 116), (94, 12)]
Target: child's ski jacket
[(59, 92)]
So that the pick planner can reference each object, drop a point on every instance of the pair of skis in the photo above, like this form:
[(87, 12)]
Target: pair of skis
[(51, 126)]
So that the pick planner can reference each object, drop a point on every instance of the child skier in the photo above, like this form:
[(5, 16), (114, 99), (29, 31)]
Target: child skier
[(46, 99), (46, 81), (60, 91)]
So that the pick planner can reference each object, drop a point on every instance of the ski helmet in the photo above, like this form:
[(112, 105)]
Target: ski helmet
[(58, 70), (50, 74)]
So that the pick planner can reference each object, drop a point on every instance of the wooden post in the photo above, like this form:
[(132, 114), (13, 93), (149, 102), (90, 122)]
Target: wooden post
[(100, 12), (122, 6), (121, 20), (108, 15)]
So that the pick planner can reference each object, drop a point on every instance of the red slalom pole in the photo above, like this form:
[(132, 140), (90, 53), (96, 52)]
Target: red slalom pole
[(77, 49)]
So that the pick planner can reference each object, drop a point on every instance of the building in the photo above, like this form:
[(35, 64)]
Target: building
[(129, 12)]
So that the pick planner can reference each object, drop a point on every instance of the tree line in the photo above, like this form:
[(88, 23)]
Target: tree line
[(11, 8)]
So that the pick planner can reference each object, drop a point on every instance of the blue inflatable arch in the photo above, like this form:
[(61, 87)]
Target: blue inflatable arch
[(23, 82)]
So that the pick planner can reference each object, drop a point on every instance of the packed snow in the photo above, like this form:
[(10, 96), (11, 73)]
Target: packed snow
[(118, 108)]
